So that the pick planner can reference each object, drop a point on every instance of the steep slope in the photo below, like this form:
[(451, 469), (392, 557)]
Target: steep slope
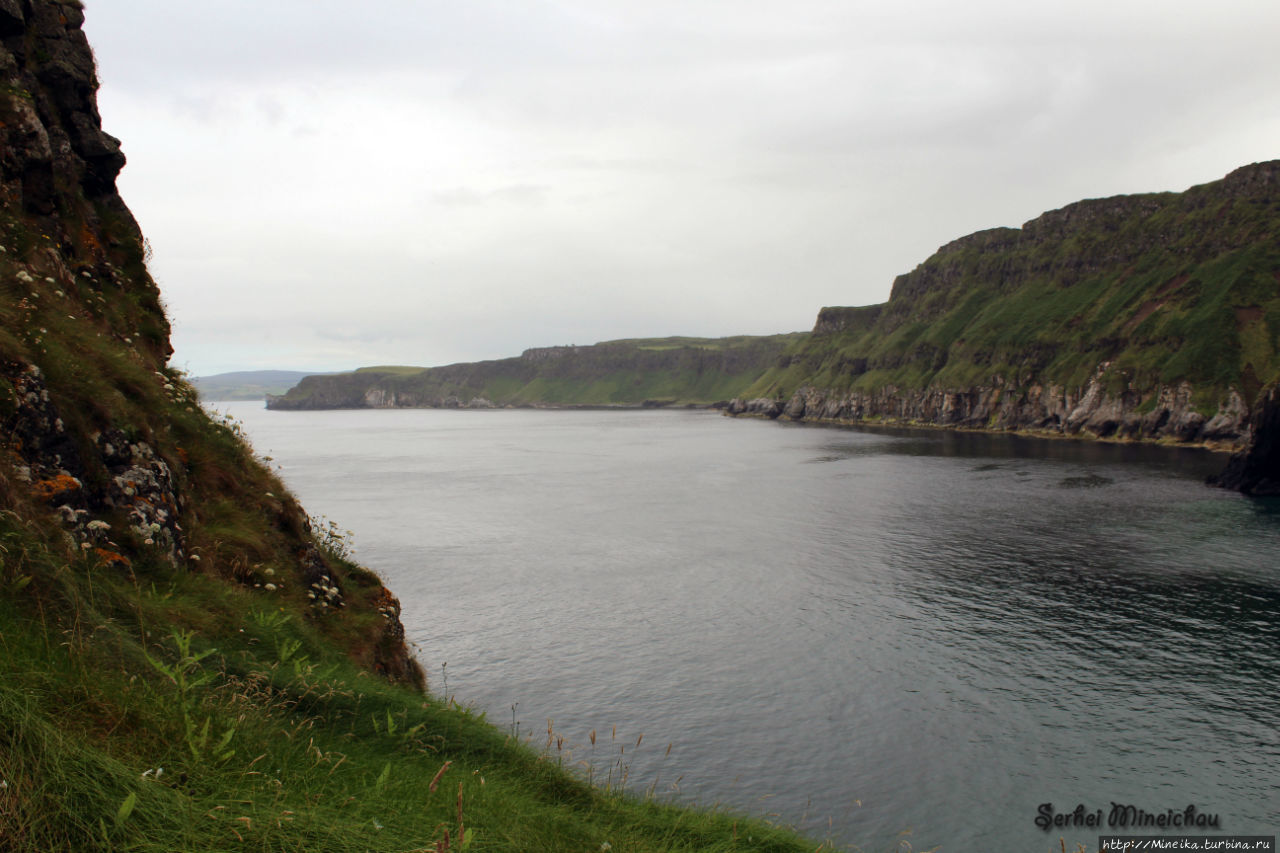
[(647, 371), (186, 662), (1150, 316)]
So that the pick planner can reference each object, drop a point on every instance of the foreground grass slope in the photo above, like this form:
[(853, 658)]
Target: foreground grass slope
[(143, 709), (187, 662)]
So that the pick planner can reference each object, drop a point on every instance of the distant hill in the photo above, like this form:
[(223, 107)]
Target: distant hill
[(246, 384), (633, 372)]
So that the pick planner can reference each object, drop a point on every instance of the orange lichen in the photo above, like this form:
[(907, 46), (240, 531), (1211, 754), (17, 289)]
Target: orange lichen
[(112, 558), (54, 486)]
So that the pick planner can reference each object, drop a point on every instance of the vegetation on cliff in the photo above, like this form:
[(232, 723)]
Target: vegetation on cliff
[(633, 372), (1157, 313), (186, 661)]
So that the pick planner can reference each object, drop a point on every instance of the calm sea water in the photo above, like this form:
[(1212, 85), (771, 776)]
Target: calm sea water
[(877, 637)]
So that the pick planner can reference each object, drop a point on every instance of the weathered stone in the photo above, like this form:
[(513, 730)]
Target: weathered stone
[(1256, 469), (1090, 411)]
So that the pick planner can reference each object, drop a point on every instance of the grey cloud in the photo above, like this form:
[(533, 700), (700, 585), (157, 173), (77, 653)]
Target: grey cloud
[(520, 194)]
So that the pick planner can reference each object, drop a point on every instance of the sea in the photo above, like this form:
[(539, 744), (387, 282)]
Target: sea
[(890, 639)]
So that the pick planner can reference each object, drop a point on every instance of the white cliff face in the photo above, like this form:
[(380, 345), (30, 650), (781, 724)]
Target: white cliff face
[(1165, 414)]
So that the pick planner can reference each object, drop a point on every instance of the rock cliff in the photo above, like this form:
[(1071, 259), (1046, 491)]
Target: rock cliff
[(98, 436), (1255, 469), (1151, 317)]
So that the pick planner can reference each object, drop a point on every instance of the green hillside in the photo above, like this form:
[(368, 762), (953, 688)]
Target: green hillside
[(187, 662), (1147, 316), (634, 372)]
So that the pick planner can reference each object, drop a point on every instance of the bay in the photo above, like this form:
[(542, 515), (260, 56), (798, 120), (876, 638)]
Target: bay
[(882, 637)]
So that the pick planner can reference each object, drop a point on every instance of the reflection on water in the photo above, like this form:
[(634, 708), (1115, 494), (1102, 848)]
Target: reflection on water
[(891, 630)]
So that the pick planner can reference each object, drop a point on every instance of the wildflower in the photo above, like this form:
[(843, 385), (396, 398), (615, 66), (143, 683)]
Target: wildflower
[(98, 525)]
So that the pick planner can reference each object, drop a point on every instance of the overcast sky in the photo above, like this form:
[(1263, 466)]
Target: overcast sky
[(327, 185)]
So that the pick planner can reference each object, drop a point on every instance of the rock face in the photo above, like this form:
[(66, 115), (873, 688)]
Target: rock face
[(97, 434), (1256, 469), (1167, 414)]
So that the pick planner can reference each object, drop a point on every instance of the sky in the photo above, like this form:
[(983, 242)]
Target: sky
[(328, 185)]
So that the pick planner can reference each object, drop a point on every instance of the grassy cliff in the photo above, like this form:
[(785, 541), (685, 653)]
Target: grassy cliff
[(1154, 316), (186, 661), (633, 372)]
